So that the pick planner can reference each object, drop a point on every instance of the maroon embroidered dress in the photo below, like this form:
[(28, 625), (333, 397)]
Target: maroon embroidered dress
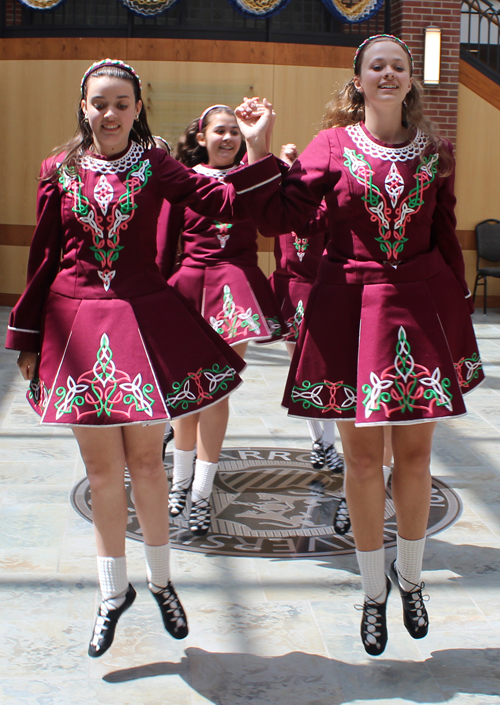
[(118, 345), (218, 272), (297, 260), (387, 335)]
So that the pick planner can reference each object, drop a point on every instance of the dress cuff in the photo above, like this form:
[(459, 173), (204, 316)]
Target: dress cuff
[(22, 339)]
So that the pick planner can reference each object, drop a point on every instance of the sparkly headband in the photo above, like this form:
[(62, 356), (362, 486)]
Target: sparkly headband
[(205, 113), (110, 62), (390, 37)]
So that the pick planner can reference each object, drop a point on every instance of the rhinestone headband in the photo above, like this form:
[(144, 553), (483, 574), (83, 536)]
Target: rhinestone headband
[(110, 62), (391, 38), (205, 113)]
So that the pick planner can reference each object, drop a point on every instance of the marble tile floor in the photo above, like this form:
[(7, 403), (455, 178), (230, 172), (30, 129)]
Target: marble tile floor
[(264, 631)]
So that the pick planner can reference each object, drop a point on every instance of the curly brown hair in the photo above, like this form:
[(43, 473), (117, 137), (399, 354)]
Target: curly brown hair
[(190, 152), (348, 108)]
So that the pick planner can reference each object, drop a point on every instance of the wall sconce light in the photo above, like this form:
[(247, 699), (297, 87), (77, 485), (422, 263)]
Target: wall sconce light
[(432, 56)]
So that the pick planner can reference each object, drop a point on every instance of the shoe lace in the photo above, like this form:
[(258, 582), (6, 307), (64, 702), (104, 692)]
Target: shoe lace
[(372, 620), (332, 457), (101, 623), (342, 514), (416, 604), (416, 601), (172, 605), (200, 509)]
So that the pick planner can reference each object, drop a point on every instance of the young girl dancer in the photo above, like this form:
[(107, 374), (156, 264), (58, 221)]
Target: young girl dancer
[(297, 260), (387, 336), (220, 277), (102, 334)]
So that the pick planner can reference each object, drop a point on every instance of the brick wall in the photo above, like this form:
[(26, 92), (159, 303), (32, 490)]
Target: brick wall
[(409, 18)]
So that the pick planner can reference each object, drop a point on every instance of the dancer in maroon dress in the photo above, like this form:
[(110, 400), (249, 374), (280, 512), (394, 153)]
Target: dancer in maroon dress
[(111, 350), (297, 260), (387, 337), (219, 275)]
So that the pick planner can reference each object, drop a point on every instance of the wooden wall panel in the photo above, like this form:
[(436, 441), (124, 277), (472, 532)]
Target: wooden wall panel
[(143, 49), (14, 261), (40, 99), (176, 92), (478, 160), (300, 96), (478, 83)]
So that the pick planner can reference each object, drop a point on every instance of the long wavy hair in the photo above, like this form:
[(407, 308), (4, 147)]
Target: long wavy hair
[(189, 152), (83, 138), (348, 108)]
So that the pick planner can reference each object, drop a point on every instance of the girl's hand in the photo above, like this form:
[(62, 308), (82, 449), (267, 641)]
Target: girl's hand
[(28, 363), (255, 120), (289, 153)]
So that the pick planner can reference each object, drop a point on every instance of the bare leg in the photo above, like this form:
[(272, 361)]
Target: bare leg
[(387, 446), (290, 348), (411, 481), (143, 445), (185, 430), (364, 483), (104, 457), (212, 423)]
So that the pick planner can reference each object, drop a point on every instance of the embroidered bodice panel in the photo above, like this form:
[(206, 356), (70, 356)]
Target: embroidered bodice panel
[(384, 198), (211, 240)]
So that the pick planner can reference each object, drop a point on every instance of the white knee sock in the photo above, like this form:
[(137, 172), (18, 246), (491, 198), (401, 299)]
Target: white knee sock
[(183, 467), (113, 579), (204, 474), (372, 568), (157, 566), (409, 562), (315, 429), (328, 432)]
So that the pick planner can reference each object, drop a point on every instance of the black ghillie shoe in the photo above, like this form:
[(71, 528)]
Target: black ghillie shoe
[(342, 520), (172, 612), (166, 440), (374, 624), (105, 624), (177, 499), (333, 461), (317, 457), (199, 517), (415, 617)]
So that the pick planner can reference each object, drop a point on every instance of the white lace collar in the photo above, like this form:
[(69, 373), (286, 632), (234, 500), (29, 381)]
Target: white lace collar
[(213, 171), (113, 166), (394, 154)]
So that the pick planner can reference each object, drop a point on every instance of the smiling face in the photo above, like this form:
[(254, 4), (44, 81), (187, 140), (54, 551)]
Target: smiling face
[(222, 139), (111, 108), (384, 77)]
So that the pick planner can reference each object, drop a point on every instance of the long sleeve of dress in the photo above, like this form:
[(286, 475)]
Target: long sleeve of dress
[(169, 231), (287, 206), (443, 231), (24, 325), (206, 196)]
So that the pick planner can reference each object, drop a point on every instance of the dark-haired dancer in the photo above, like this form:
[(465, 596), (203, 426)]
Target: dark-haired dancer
[(387, 337), (110, 349), (219, 275), (297, 257)]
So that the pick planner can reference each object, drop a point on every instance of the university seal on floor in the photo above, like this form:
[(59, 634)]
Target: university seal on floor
[(270, 502)]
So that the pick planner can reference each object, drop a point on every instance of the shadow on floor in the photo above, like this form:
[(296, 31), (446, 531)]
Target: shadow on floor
[(299, 678)]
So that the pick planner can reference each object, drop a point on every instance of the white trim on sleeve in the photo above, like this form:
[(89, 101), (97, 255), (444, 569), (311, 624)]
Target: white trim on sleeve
[(23, 330), (262, 183)]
